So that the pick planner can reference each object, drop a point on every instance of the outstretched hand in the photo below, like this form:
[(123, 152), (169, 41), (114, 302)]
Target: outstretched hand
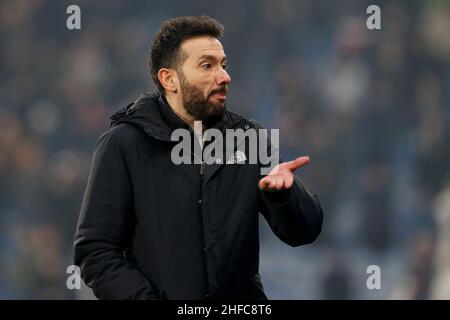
[(282, 176)]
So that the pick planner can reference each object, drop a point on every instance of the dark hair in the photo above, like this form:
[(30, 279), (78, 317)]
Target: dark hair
[(165, 51)]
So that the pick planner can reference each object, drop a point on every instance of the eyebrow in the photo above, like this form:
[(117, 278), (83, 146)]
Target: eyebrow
[(210, 57)]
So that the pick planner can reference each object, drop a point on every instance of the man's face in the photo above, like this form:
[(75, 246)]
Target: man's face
[(203, 79)]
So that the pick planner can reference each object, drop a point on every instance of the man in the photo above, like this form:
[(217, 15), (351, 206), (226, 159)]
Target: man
[(152, 229)]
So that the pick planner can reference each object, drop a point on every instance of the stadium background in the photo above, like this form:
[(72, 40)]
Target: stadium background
[(371, 108)]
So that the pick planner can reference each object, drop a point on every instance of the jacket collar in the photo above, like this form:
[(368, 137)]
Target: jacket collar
[(152, 114), (169, 116)]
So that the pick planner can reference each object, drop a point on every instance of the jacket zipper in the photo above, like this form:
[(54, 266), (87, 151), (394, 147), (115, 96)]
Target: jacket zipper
[(202, 172), (202, 167)]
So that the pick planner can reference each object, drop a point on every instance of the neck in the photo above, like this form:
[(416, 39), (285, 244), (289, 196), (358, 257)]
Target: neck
[(176, 105)]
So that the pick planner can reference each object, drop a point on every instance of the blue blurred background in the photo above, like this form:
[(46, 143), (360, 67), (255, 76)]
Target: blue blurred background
[(370, 107)]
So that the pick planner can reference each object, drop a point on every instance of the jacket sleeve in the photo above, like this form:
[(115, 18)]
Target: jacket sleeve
[(104, 227), (295, 214)]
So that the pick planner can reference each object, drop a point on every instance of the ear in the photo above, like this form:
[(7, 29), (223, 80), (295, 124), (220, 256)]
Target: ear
[(167, 78)]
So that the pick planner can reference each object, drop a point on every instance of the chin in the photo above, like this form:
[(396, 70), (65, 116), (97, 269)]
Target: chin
[(219, 105)]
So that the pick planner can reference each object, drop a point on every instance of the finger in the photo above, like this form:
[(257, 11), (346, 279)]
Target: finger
[(288, 182), (279, 183), (297, 163), (271, 184), (264, 183)]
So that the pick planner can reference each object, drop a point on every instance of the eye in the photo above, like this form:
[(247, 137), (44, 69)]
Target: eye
[(224, 66), (206, 66)]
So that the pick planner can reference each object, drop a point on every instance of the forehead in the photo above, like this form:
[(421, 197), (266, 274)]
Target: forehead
[(196, 47)]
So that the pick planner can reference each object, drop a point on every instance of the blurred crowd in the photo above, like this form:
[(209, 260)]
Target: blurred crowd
[(370, 107)]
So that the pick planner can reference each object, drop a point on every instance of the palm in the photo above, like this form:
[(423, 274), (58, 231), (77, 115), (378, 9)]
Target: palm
[(282, 176)]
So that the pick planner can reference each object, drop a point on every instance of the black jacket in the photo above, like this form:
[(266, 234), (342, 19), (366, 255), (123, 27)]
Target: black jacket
[(150, 229)]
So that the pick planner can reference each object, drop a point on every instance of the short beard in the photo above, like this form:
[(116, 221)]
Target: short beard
[(198, 106)]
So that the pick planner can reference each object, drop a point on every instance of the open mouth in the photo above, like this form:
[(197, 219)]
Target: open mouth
[(221, 95)]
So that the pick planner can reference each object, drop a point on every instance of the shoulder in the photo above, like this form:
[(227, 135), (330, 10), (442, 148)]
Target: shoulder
[(121, 136), (125, 132)]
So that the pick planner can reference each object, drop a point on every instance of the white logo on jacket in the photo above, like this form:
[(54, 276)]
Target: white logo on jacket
[(236, 158)]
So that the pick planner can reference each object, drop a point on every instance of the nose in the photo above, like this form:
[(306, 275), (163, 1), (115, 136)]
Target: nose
[(223, 78)]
